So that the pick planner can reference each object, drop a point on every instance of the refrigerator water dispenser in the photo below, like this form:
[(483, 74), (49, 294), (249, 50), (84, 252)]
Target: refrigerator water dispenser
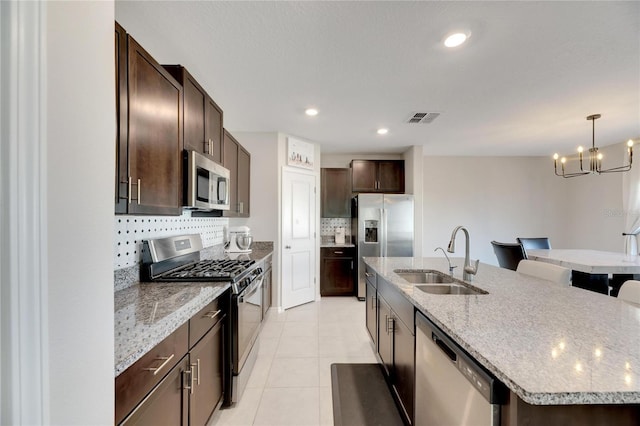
[(370, 231)]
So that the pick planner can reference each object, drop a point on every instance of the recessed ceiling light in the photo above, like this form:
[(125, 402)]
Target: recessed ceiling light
[(455, 39), (311, 112), (383, 131)]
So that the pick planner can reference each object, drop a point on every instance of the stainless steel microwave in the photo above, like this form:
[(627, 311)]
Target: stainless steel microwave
[(207, 183)]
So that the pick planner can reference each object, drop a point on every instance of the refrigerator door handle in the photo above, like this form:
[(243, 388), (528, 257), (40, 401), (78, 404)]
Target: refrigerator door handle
[(383, 233)]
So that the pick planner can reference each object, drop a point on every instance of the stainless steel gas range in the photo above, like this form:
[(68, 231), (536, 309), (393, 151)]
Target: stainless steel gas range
[(178, 259)]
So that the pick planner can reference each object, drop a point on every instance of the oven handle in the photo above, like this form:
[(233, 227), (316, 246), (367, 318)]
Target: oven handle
[(252, 289)]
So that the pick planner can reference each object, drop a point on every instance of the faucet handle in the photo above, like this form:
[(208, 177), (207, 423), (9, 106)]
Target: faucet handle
[(472, 269)]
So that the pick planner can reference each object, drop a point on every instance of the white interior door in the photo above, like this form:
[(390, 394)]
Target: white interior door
[(298, 237)]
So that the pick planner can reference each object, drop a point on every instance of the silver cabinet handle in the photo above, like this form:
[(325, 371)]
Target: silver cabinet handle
[(213, 314), (338, 252), (189, 382), (195, 377), (368, 274), (241, 207), (390, 324), (287, 247), (129, 199), (157, 369)]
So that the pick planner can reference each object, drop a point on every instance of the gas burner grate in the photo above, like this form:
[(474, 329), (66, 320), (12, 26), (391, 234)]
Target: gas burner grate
[(210, 270)]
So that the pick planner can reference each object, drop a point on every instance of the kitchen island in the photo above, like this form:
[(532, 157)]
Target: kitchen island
[(552, 346)]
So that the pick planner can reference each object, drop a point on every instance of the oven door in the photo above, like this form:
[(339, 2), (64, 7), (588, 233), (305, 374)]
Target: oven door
[(249, 303)]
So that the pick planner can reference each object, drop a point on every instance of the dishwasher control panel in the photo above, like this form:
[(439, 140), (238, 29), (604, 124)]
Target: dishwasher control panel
[(482, 384)]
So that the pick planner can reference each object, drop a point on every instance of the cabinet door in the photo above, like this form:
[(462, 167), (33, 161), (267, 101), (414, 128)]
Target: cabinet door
[(336, 192), (391, 176), (194, 106), (385, 335), (244, 181), (336, 272), (230, 161), (167, 403), (122, 176), (364, 176), (404, 366), (213, 130), (207, 369), (155, 135), (371, 311)]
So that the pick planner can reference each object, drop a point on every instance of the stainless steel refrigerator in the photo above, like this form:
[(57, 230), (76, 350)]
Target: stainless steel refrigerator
[(382, 226)]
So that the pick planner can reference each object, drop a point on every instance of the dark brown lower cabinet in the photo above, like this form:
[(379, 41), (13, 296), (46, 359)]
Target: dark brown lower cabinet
[(167, 402), (337, 271), (193, 387), (371, 313), (206, 376), (396, 344)]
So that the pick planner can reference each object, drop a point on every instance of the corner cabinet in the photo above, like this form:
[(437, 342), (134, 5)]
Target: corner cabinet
[(149, 137), (202, 116), (335, 192), (238, 161), (377, 176)]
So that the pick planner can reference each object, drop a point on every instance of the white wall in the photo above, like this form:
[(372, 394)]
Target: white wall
[(501, 198), (495, 198), (594, 212), (80, 157), (263, 148)]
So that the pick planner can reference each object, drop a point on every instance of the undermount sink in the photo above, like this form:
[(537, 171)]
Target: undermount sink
[(436, 282), (424, 277), (448, 289)]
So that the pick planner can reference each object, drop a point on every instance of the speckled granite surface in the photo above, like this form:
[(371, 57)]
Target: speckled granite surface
[(146, 313), (336, 245), (549, 344)]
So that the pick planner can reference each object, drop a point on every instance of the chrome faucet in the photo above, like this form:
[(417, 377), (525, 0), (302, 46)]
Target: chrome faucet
[(468, 271), (449, 261)]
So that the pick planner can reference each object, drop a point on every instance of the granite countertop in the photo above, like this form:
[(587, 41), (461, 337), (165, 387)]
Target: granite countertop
[(551, 345), (335, 245), (146, 313)]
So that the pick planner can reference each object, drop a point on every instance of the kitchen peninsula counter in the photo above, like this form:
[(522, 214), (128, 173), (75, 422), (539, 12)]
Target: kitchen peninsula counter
[(551, 345)]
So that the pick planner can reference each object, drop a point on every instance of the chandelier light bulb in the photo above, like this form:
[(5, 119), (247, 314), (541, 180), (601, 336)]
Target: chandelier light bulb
[(599, 156), (629, 143), (580, 149), (563, 160), (556, 156)]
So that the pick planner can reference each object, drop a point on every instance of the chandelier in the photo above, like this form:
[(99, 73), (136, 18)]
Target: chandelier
[(595, 157)]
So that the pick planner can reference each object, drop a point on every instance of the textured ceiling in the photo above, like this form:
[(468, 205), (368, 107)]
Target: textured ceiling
[(522, 85)]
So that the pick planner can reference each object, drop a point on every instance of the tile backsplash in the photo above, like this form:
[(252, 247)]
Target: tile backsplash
[(131, 230), (328, 228)]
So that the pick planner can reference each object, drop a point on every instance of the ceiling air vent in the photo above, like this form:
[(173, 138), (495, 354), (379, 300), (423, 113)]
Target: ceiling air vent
[(422, 117)]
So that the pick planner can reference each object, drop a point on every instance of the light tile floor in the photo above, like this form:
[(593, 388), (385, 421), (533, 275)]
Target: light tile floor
[(291, 381)]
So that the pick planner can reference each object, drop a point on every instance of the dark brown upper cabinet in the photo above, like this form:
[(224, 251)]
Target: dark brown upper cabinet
[(335, 192), (238, 161), (149, 137), (202, 116), (377, 176)]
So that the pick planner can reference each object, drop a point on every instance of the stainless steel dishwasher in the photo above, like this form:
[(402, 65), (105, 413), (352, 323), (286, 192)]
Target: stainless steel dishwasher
[(451, 388)]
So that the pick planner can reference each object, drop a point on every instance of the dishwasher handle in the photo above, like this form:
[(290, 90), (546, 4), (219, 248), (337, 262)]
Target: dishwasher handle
[(444, 348)]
